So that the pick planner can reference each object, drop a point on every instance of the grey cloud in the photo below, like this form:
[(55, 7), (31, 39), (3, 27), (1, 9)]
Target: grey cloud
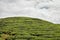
[(8, 1), (42, 9)]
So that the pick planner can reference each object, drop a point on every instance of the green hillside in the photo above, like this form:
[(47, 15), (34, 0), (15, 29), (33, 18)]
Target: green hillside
[(25, 28)]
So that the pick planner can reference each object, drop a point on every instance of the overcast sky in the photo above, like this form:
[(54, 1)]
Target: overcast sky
[(42, 9)]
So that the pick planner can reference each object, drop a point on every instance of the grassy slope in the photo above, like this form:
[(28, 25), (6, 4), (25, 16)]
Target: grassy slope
[(24, 28)]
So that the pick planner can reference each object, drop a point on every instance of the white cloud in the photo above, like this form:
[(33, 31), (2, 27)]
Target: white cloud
[(42, 9)]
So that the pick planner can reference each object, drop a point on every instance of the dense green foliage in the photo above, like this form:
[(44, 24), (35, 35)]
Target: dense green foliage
[(24, 28)]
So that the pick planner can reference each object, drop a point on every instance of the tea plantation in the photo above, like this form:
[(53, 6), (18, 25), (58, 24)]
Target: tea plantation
[(25, 28)]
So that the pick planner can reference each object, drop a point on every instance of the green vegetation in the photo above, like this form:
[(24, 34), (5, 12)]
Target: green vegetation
[(25, 28)]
